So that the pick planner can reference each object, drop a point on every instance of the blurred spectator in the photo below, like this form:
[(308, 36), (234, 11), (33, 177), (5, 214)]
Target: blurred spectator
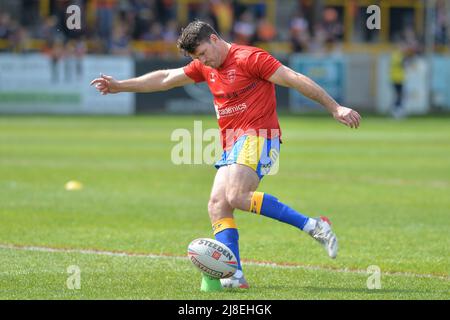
[(154, 32), (29, 12), (311, 29), (244, 29), (318, 41), (120, 42), (143, 12), (397, 74), (105, 19), (223, 11), (128, 16), (166, 10), (259, 9), (203, 11), (171, 31), (299, 33), (5, 25), (265, 31), (442, 22), (96, 45), (411, 43), (48, 30), (21, 40), (333, 27)]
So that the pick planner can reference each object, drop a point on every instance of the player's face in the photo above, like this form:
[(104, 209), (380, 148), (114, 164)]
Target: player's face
[(208, 54)]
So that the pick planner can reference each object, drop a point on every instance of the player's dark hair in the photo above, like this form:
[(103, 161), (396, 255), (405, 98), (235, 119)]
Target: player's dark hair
[(193, 35)]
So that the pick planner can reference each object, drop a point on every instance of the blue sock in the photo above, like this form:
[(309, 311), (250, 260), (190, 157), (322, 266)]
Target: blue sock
[(269, 206), (230, 237)]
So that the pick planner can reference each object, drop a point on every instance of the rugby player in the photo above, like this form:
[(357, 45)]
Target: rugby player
[(242, 81)]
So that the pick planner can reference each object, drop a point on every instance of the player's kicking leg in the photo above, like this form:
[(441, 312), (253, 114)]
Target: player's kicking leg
[(243, 197)]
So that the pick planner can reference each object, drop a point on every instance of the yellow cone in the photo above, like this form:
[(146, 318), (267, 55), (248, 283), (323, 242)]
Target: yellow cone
[(73, 185)]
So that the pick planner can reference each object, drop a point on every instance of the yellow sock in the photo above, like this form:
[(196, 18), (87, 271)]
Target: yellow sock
[(225, 231), (256, 202), (222, 224)]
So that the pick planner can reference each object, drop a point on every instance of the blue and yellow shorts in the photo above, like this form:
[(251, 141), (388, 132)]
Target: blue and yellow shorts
[(258, 153)]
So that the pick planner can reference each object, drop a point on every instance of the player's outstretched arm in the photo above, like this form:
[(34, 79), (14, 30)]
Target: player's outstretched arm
[(287, 77), (160, 80)]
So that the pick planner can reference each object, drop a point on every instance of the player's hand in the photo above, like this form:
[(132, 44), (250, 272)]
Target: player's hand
[(106, 84), (347, 116)]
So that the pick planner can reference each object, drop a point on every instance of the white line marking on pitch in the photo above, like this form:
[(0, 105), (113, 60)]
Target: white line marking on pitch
[(244, 262)]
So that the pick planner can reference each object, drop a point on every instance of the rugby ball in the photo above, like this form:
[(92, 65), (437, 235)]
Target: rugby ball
[(212, 257)]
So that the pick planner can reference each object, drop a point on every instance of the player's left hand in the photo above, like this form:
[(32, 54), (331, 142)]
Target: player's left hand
[(347, 116)]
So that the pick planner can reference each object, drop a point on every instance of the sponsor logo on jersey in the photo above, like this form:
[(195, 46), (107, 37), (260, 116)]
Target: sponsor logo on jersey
[(231, 75), (231, 111)]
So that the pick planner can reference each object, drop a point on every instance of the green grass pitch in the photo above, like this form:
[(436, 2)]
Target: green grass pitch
[(385, 187)]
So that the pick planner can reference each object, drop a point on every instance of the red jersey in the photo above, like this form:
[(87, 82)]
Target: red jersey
[(244, 99)]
